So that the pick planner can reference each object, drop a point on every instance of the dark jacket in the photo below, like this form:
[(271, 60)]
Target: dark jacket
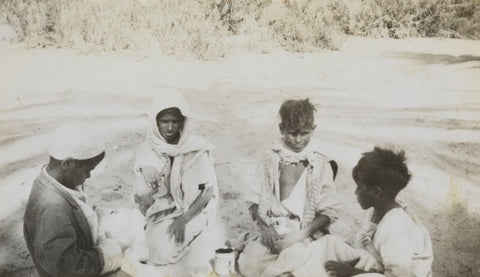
[(57, 233)]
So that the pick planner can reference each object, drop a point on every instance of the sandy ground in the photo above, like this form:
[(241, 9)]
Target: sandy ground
[(421, 95)]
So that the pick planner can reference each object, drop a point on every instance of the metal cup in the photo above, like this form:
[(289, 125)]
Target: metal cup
[(224, 263)]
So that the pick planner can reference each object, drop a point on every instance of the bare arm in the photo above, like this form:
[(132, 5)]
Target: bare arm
[(269, 236), (318, 224), (177, 228), (199, 203)]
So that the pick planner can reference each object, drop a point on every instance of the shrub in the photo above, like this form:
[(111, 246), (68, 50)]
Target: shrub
[(204, 29), (174, 26)]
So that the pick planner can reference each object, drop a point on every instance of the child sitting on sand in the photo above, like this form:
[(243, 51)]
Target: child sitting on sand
[(293, 196), (392, 243), (393, 235)]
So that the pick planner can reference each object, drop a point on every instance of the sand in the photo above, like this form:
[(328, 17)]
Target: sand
[(420, 95)]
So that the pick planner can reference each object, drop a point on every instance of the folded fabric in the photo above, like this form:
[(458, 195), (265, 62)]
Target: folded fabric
[(307, 259)]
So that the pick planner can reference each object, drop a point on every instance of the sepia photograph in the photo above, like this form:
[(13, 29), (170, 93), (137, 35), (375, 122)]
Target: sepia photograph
[(240, 138)]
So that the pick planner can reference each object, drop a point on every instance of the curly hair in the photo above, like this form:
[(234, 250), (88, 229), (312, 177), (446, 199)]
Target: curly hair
[(383, 168), (297, 114)]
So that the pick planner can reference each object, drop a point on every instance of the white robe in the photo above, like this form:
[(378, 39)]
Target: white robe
[(192, 166), (400, 247)]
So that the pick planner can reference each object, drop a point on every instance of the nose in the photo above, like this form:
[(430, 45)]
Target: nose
[(297, 139), (170, 126)]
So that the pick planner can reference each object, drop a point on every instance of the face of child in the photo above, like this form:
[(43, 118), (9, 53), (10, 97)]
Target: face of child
[(365, 196), (169, 125), (297, 139)]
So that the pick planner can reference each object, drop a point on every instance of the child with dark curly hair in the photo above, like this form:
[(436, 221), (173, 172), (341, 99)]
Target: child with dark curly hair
[(392, 233)]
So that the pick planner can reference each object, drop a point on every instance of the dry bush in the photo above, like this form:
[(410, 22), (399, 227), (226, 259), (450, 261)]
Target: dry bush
[(210, 29), (295, 25), (301, 29), (173, 26), (418, 18)]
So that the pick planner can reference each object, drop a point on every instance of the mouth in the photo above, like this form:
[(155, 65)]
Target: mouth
[(298, 146)]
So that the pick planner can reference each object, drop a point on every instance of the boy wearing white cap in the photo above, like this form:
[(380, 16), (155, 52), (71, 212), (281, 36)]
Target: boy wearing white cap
[(60, 229)]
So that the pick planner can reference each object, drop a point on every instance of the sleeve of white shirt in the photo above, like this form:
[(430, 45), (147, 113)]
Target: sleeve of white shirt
[(396, 249)]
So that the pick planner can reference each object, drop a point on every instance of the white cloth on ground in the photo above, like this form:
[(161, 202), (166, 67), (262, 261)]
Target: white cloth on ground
[(400, 247), (126, 227), (308, 259)]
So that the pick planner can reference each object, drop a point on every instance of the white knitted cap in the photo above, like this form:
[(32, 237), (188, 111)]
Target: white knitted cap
[(77, 140)]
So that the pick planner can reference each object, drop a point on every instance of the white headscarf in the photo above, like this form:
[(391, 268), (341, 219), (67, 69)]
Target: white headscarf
[(187, 142)]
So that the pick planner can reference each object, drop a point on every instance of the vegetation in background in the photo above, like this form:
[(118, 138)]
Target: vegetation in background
[(210, 29)]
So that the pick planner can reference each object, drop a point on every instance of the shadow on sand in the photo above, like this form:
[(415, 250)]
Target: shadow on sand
[(429, 59)]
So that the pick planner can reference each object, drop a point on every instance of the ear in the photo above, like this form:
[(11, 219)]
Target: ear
[(281, 126), (68, 164), (378, 192)]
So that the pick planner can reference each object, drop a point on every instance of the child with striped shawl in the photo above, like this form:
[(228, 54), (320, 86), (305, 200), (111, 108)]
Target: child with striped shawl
[(293, 196)]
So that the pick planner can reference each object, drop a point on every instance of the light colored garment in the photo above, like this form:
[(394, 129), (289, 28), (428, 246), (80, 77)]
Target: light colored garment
[(308, 259), (126, 227), (400, 242), (255, 258), (400, 247), (192, 166), (321, 193), (319, 196), (295, 202)]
